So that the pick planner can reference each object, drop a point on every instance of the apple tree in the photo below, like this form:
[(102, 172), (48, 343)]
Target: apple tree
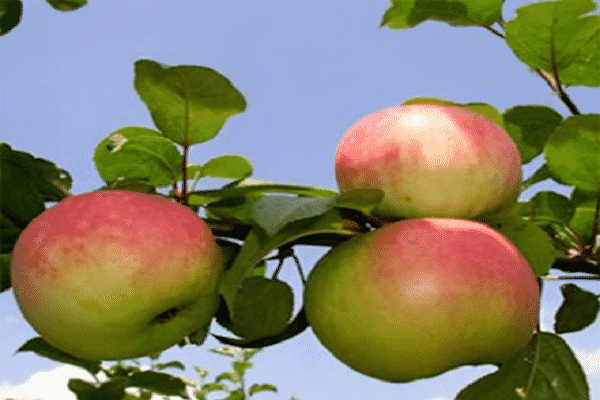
[(434, 264)]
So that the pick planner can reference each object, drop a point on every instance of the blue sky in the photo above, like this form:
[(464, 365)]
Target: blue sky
[(308, 70)]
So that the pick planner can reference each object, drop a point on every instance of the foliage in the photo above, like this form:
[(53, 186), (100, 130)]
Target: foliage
[(190, 104)]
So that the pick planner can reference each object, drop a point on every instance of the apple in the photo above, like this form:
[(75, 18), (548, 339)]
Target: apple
[(422, 296), (113, 274), (430, 160)]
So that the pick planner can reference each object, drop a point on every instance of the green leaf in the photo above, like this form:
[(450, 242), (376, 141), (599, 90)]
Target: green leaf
[(111, 390), (228, 166), (530, 127), (9, 233), (555, 35), (578, 310), (573, 152), (404, 14), (227, 376), (533, 243), (546, 368), (289, 209), (258, 244), (42, 348), (363, 200), (11, 12), (262, 308), (262, 387), (26, 183), (582, 222), (236, 209), (202, 197), (240, 367), (67, 5), (138, 153), (4, 272), (189, 104), (214, 387), (158, 382), (551, 206)]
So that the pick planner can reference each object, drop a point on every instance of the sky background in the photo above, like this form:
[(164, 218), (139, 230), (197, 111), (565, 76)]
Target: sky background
[(309, 70)]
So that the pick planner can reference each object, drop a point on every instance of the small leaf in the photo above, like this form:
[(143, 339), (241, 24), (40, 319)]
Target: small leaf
[(262, 307), (139, 154), (42, 348), (289, 209), (158, 382), (67, 5), (578, 310), (214, 387), (404, 14), (229, 167), (262, 387), (189, 104), (240, 367), (250, 185), (227, 376), (363, 200)]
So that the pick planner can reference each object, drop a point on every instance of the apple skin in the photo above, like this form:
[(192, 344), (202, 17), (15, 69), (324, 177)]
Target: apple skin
[(422, 296), (114, 274), (430, 160)]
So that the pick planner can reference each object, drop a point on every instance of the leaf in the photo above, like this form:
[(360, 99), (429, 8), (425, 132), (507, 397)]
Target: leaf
[(533, 243), (111, 390), (258, 244), (583, 221), (573, 152), (67, 5), (9, 233), (262, 387), (4, 272), (26, 183), (551, 206), (578, 310), (297, 326), (288, 209), (214, 387), (530, 127), (42, 348), (262, 308), (158, 382), (228, 166), (189, 104), (363, 200), (404, 14), (202, 197), (236, 209), (139, 154), (545, 369), (555, 35), (11, 12)]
